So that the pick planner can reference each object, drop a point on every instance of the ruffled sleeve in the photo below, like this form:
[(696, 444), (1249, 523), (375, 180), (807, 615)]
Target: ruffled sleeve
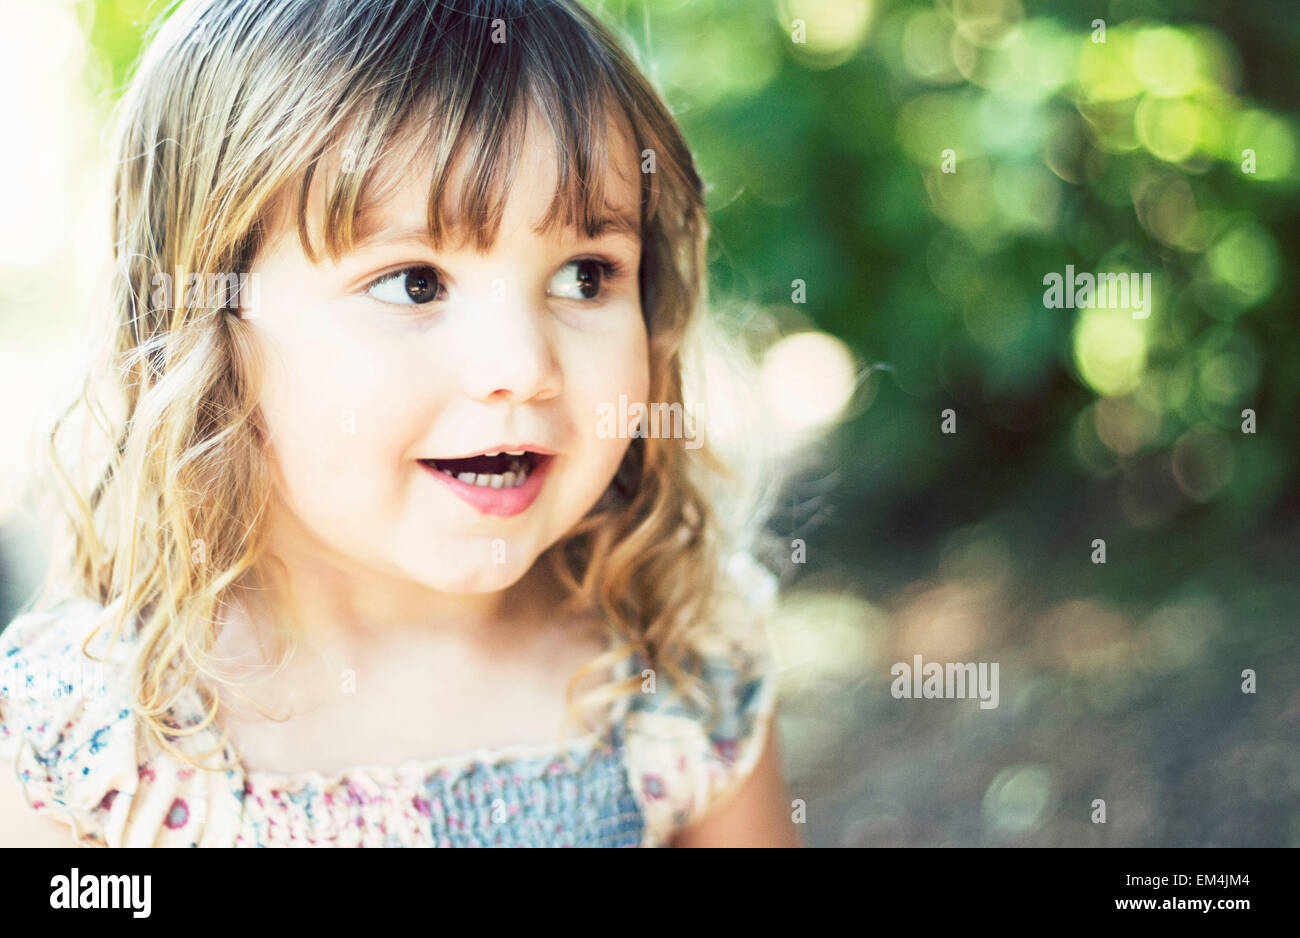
[(684, 757), (68, 735)]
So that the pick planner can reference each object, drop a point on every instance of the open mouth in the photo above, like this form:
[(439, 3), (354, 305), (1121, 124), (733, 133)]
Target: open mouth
[(491, 470)]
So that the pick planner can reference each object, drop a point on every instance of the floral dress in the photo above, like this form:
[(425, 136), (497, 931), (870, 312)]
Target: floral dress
[(79, 756)]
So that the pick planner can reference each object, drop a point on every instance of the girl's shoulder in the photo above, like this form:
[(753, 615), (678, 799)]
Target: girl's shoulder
[(68, 734), (688, 751)]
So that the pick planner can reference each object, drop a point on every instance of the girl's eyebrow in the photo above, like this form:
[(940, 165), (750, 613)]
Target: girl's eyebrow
[(614, 223)]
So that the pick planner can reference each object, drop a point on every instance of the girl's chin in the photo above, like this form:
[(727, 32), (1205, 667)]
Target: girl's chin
[(474, 579)]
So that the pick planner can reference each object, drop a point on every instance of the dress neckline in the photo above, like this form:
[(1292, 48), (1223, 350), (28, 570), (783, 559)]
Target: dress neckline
[(581, 747)]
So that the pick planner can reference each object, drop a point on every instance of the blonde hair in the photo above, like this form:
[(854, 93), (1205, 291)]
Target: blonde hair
[(235, 108)]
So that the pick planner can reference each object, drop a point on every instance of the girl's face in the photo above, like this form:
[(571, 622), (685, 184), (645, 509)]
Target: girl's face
[(389, 373)]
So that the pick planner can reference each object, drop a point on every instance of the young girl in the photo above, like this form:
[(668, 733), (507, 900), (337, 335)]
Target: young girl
[(397, 485)]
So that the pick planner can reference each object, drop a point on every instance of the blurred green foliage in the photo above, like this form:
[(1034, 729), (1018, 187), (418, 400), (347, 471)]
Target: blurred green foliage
[(1171, 147), (117, 30)]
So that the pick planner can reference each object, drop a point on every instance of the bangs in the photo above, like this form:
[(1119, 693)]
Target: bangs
[(425, 85)]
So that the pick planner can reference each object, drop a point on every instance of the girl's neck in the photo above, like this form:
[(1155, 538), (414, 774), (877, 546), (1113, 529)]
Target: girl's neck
[(341, 630)]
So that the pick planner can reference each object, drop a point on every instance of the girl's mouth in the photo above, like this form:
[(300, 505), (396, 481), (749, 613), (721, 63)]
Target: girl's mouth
[(491, 470), (502, 483)]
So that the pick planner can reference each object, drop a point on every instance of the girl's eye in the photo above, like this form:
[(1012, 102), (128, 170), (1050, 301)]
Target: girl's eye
[(407, 287), (581, 279)]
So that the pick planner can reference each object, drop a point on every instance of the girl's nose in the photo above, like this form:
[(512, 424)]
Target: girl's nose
[(508, 353)]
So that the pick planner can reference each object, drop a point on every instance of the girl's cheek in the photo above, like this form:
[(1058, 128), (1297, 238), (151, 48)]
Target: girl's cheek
[(636, 366), (328, 401), (627, 360)]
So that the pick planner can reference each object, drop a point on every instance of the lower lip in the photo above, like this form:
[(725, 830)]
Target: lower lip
[(490, 501)]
